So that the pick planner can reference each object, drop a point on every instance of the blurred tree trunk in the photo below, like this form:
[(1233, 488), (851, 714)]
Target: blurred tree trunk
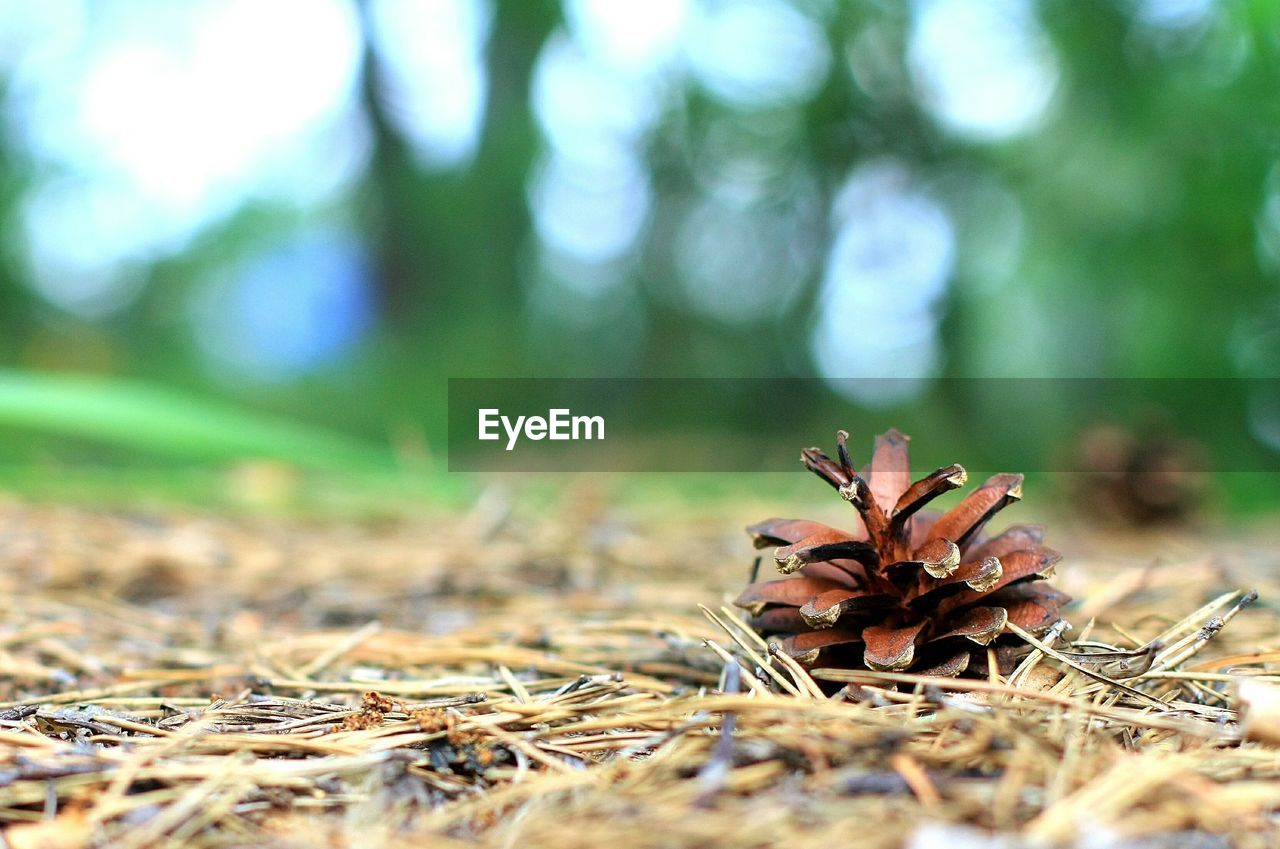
[(445, 242)]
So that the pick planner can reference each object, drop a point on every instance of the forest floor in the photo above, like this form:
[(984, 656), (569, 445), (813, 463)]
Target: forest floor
[(510, 676)]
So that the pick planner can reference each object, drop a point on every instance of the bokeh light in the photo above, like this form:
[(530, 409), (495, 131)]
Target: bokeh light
[(638, 39), (983, 69), (741, 258), (890, 262), (598, 90), (593, 210), (434, 87), (758, 54), (292, 308), (1173, 14), (148, 121)]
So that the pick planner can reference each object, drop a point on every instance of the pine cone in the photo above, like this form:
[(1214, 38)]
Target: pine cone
[(906, 588), (1142, 478)]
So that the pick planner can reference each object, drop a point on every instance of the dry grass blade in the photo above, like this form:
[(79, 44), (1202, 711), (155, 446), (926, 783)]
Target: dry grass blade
[(180, 682)]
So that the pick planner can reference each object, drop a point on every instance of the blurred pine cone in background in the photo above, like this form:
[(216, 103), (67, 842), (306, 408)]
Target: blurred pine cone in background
[(905, 588), (1148, 479)]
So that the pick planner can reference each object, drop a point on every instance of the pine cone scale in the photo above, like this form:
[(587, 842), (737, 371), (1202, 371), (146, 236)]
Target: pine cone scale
[(889, 475), (792, 592), (790, 531), (1032, 563), (936, 558), (950, 667), (977, 508), (1032, 607), (822, 547), (1014, 538), (920, 493), (979, 624), (823, 610), (891, 649)]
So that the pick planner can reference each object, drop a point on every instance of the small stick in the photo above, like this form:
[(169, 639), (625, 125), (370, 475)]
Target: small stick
[(798, 672), (759, 661), (917, 779), (517, 689), (732, 615), (354, 639), (757, 686), (1054, 633), (1204, 635), (1187, 622), (1097, 676), (715, 772)]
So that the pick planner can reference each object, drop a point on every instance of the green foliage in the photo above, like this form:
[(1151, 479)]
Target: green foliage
[(1127, 235), (156, 421)]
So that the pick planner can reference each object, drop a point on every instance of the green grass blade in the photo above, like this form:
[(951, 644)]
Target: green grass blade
[(161, 421)]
